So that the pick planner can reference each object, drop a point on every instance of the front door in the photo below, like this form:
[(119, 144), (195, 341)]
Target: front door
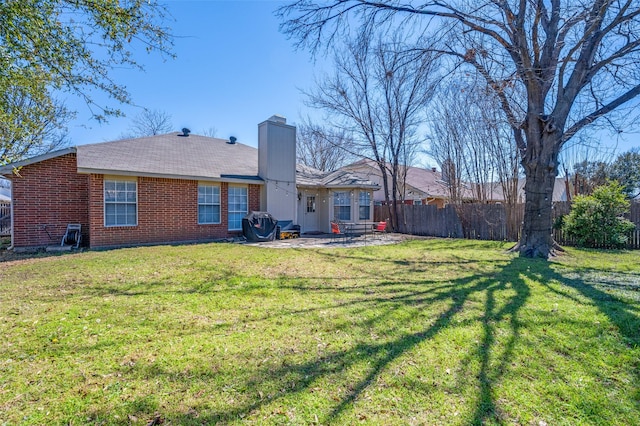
[(310, 214)]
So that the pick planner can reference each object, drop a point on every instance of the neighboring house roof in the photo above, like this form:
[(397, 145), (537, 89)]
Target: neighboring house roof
[(308, 176), (559, 190), (4, 198), (171, 155), (428, 183), (420, 183)]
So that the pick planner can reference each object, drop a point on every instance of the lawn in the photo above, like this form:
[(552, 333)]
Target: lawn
[(423, 332)]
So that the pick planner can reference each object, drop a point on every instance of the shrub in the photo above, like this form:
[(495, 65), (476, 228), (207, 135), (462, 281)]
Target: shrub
[(596, 220)]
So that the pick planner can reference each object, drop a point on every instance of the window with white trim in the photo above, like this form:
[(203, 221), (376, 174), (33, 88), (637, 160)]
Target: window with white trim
[(208, 204), (120, 202), (311, 204), (342, 205), (238, 206), (364, 203)]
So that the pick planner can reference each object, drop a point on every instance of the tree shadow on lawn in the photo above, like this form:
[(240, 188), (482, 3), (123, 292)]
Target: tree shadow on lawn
[(602, 294), (379, 356), (502, 295)]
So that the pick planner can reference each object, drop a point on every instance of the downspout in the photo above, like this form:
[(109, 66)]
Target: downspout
[(12, 216)]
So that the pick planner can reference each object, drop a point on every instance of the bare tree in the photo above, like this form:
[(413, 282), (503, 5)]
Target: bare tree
[(467, 139), (575, 62), (473, 144), (588, 175), (585, 164), (151, 122), (322, 147), (378, 95), (447, 144), (211, 132)]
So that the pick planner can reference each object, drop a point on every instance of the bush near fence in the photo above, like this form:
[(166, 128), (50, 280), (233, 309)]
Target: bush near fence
[(483, 221)]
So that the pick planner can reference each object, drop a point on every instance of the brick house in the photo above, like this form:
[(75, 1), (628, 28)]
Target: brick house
[(167, 188)]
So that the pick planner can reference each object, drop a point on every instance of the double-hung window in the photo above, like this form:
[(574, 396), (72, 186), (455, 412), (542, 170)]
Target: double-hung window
[(364, 203), (208, 204), (341, 205), (238, 206), (120, 202)]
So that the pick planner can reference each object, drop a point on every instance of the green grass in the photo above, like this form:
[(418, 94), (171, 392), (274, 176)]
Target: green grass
[(424, 332)]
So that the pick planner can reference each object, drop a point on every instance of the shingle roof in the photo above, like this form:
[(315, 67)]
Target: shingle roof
[(190, 157), (308, 176), (428, 181), (425, 181), (172, 155), (8, 169)]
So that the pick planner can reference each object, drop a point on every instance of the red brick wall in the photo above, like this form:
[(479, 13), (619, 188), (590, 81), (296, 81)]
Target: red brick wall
[(46, 197), (167, 212)]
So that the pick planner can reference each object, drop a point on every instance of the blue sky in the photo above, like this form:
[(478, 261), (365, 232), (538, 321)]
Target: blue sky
[(233, 70)]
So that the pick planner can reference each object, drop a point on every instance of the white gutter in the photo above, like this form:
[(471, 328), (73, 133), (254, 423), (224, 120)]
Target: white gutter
[(255, 180)]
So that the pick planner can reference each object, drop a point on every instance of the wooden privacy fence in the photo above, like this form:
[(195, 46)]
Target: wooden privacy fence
[(493, 222), (5, 219)]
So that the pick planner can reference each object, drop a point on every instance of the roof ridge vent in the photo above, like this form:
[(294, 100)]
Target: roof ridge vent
[(185, 132)]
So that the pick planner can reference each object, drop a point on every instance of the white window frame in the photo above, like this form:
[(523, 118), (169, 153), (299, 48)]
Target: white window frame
[(362, 205), (230, 205), (213, 203), (338, 197), (107, 201), (311, 203)]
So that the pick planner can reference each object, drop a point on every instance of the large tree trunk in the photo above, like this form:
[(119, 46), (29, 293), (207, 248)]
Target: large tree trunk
[(540, 165)]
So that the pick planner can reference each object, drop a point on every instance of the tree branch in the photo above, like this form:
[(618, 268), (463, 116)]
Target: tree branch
[(626, 97)]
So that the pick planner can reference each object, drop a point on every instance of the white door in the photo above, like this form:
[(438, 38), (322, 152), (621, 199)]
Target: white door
[(310, 214)]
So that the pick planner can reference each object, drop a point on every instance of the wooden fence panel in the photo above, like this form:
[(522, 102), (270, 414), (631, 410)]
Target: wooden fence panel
[(484, 221), (424, 220)]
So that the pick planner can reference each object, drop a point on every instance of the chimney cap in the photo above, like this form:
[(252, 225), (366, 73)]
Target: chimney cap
[(278, 119)]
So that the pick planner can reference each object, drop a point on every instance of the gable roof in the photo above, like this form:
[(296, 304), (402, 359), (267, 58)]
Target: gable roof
[(8, 169), (189, 157), (308, 176), (171, 155)]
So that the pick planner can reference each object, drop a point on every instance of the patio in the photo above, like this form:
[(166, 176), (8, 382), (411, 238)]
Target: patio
[(328, 241)]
